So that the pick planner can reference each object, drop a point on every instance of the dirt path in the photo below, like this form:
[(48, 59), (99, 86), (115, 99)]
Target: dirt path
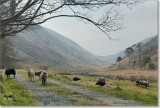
[(48, 98), (44, 96), (110, 100)]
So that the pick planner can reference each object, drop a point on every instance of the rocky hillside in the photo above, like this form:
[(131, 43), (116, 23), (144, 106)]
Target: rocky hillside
[(47, 47)]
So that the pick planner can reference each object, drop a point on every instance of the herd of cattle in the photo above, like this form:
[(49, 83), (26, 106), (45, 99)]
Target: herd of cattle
[(43, 76)]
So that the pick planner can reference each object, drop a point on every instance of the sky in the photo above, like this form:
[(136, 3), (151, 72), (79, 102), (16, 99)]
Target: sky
[(140, 22)]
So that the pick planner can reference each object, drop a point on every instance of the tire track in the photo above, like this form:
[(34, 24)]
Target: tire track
[(46, 97), (109, 100)]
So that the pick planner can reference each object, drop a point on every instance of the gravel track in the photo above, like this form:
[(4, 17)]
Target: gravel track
[(46, 97), (109, 100)]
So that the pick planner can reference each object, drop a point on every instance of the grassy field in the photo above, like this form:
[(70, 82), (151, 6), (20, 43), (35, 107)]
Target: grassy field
[(75, 98), (12, 93), (125, 88), (119, 84)]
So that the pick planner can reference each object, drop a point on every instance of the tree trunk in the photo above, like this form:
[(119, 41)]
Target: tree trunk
[(119, 64), (3, 53)]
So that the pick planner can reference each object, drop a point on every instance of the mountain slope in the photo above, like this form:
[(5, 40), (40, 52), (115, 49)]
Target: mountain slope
[(149, 51), (48, 47), (148, 42)]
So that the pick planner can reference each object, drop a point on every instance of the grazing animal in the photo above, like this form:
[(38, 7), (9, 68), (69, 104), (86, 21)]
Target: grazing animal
[(101, 81), (43, 77), (76, 79), (144, 83), (38, 74), (31, 74), (10, 71)]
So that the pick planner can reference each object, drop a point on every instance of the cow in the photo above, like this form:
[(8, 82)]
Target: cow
[(101, 81), (10, 71), (143, 83), (31, 74), (43, 77)]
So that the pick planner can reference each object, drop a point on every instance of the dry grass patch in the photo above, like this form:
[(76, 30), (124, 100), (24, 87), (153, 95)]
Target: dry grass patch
[(133, 75)]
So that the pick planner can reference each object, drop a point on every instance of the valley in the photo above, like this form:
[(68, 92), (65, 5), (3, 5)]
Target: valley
[(63, 59), (66, 92)]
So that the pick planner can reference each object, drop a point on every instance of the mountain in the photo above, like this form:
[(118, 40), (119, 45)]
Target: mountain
[(148, 42), (145, 55), (113, 58), (47, 47)]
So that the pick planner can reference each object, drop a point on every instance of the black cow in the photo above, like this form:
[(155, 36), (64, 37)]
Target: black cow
[(10, 71)]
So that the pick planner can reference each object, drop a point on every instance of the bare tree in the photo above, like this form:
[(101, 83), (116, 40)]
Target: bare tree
[(139, 47), (18, 15), (129, 52), (119, 59)]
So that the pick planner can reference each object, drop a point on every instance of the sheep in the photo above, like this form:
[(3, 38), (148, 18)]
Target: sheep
[(144, 83), (31, 74), (43, 77), (101, 81), (38, 73), (76, 79)]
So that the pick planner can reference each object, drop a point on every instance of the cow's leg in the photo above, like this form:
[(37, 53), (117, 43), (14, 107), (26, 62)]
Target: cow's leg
[(42, 81), (145, 86), (46, 81)]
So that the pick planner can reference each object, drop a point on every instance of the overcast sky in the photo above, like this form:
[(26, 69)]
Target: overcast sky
[(140, 23)]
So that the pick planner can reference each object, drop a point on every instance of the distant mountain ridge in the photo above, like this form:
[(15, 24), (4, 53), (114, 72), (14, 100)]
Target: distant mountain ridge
[(113, 58), (46, 46)]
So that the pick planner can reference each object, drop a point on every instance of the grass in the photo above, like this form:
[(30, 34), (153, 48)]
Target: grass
[(20, 95), (75, 98), (120, 88)]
